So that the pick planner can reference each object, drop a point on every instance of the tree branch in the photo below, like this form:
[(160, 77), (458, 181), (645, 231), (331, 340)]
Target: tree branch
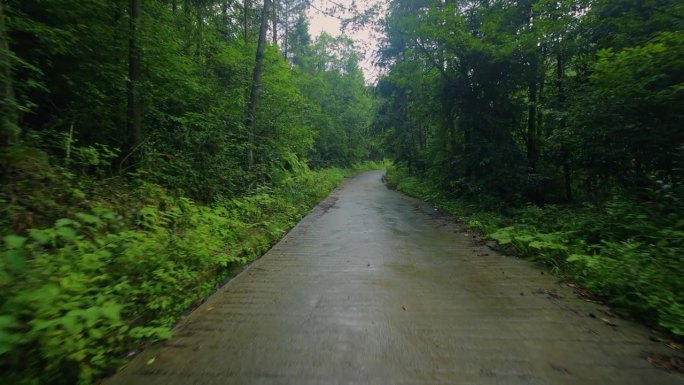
[(431, 58)]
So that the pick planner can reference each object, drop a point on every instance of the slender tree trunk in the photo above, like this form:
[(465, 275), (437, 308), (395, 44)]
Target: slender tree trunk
[(540, 98), (134, 115), (559, 78), (256, 83), (174, 6), (245, 8), (287, 27), (469, 130), (567, 172), (408, 132), (467, 122), (225, 20), (275, 22), (421, 137), (453, 125), (567, 175), (532, 138), (199, 33), (187, 26), (9, 120), (532, 134)]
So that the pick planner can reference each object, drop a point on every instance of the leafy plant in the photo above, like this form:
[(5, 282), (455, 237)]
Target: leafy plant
[(624, 252), (78, 295)]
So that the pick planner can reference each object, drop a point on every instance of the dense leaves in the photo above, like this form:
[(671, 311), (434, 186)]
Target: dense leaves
[(624, 252), (534, 100), (131, 182), (96, 285), (563, 118)]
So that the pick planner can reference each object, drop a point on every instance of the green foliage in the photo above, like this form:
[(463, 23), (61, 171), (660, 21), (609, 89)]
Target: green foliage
[(627, 122), (494, 110), (533, 101), (371, 165), (107, 239), (336, 97), (71, 80), (78, 295), (549, 248), (624, 252)]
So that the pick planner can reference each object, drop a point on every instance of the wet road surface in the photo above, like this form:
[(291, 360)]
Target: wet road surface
[(373, 287)]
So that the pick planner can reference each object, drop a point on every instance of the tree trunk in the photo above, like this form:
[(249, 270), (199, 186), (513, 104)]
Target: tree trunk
[(134, 114), (287, 27), (187, 25), (228, 5), (408, 133), (567, 172), (532, 134), (559, 79), (9, 120), (275, 22), (567, 175), (256, 83), (245, 7), (540, 111), (532, 138), (199, 33), (421, 137)]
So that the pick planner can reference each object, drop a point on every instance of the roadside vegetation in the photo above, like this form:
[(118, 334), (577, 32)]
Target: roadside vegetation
[(553, 127), (107, 277), (623, 252), (147, 150), (150, 147)]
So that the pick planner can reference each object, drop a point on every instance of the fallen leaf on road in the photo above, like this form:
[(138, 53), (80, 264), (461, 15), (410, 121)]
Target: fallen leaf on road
[(579, 290), (674, 346), (607, 322), (404, 307), (560, 369), (669, 363), (550, 293), (151, 360), (210, 308)]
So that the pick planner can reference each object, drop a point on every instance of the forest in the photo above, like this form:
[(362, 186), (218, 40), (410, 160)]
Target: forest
[(149, 148), (553, 128)]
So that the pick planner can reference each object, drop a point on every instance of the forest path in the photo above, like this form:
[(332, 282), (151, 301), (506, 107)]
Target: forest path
[(373, 287)]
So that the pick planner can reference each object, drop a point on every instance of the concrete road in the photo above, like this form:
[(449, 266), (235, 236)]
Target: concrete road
[(373, 287)]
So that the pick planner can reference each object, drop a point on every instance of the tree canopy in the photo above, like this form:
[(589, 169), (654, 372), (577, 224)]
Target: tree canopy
[(535, 100), (163, 86)]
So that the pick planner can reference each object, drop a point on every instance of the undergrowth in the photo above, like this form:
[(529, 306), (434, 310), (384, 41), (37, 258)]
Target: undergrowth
[(94, 270), (627, 253)]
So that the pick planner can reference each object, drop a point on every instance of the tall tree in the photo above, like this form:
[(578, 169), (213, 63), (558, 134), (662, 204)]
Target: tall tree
[(134, 115), (274, 27), (245, 20), (9, 119), (256, 82)]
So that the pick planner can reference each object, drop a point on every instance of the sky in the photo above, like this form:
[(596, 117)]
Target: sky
[(364, 38)]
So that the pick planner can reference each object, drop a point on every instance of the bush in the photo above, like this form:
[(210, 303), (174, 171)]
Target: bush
[(78, 296), (626, 252)]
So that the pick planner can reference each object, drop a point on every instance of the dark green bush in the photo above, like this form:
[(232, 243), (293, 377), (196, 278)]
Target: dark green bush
[(626, 252)]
